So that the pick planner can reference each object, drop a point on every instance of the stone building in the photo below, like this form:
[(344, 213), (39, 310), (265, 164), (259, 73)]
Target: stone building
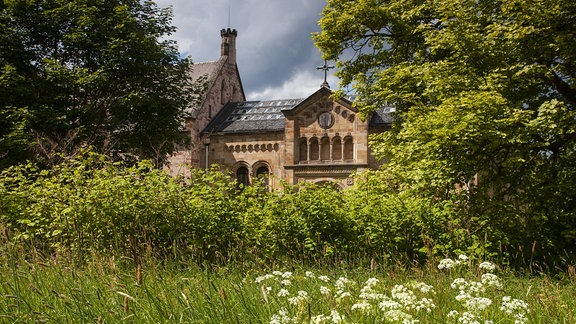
[(314, 139)]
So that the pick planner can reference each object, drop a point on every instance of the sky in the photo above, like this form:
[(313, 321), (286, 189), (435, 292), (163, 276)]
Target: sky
[(275, 53)]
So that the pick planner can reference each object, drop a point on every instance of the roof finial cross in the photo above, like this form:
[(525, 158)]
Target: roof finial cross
[(325, 68)]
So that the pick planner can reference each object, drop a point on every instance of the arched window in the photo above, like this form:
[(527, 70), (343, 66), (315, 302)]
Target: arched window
[(242, 178), (263, 174), (303, 150), (337, 149), (348, 148), (314, 149), (325, 149)]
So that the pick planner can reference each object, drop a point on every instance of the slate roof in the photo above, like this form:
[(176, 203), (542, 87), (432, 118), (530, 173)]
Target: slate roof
[(251, 116), (267, 116), (209, 69), (382, 117)]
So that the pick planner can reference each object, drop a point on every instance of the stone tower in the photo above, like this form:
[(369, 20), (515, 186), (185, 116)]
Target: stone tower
[(228, 47)]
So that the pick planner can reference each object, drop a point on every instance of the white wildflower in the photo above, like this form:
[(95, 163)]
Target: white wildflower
[(491, 280), (510, 305), (372, 282), (324, 278), (342, 282), (287, 275), (476, 287), (446, 264), (468, 318), (371, 296), (294, 300), (318, 319), (462, 258), (264, 277), (404, 296), (388, 304), (283, 293), (453, 313), (517, 307), (422, 287), (396, 315), (362, 306), (277, 273), (520, 318), (300, 298), (325, 291), (459, 283), (336, 317), (282, 317), (285, 282), (310, 274), (468, 287), (477, 304), (424, 304), (368, 286), (462, 296), (487, 265)]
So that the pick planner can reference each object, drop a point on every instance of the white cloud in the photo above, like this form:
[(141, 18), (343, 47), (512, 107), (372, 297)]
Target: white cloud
[(300, 85), (276, 57)]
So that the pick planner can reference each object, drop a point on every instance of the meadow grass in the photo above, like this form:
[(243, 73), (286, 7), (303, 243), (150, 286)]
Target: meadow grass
[(114, 290)]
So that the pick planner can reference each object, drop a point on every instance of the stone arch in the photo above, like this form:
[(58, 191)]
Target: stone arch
[(262, 172), (325, 149), (348, 148), (242, 174), (302, 149), (337, 148), (314, 152)]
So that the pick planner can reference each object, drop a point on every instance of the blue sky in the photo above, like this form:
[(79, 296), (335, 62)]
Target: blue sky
[(275, 54)]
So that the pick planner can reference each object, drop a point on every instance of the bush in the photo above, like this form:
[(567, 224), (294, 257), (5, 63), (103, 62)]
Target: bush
[(91, 205)]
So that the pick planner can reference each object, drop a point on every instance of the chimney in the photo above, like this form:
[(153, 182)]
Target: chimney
[(228, 47)]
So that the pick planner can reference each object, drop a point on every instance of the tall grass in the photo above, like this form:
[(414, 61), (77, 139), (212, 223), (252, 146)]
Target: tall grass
[(111, 290)]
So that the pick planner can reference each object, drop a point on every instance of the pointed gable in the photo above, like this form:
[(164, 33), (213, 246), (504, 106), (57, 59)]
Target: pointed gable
[(322, 93)]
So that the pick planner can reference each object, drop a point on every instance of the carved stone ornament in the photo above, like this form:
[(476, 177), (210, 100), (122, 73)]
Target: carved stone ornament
[(325, 120)]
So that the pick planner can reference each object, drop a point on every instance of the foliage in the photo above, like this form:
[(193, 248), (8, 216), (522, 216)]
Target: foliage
[(93, 205), (90, 204), (80, 73), (111, 290), (485, 101)]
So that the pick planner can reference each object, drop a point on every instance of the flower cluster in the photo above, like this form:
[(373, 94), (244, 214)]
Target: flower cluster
[(282, 317), (515, 307), (470, 295), (449, 263), (342, 300)]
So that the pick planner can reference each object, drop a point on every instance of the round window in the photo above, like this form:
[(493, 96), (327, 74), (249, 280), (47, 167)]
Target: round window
[(325, 120)]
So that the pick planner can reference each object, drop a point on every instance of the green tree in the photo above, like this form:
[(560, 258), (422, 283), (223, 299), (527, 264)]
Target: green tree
[(83, 73), (485, 99)]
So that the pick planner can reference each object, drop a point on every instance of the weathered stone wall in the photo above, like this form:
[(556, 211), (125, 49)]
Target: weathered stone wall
[(224, 86), (249, 150)]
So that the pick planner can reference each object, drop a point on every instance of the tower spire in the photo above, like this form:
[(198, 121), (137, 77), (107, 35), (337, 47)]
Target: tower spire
[(229, 9), (325, 68)]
